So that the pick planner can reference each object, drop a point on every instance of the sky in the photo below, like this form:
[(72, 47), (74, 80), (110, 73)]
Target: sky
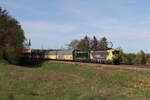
[(54, 23)]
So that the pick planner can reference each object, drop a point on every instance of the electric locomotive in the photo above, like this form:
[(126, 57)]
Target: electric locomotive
[(110, 56)]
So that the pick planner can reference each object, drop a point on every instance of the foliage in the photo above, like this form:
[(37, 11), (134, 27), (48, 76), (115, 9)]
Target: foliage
[(84, 44), (128, 58), (11, 37), (132, 58), (73, 44), (89, 44), (103, 44), (140, 58), (94, 43)]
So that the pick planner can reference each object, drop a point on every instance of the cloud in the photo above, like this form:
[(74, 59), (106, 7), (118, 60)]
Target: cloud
[(119, 28), (115, 19), (42, 29)]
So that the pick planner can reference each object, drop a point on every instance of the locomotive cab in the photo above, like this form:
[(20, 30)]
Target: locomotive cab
[(114, 56)]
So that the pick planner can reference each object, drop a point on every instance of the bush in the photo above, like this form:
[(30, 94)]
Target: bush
[(4, 62), (131, 58), (128, 58), (140, 58)]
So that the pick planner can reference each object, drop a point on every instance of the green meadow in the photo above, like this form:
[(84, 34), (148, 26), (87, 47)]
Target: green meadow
[(59, 81)]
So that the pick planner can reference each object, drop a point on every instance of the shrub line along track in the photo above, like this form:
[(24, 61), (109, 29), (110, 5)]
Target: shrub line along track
[(144, 68)]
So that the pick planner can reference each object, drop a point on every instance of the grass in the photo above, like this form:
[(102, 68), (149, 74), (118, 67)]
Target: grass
[(58, 81)]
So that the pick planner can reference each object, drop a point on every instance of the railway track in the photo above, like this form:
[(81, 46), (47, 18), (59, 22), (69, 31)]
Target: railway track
[(144, 68)]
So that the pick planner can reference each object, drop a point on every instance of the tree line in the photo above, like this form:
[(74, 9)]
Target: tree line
[(87, 43), (134, 58), (11, 37)]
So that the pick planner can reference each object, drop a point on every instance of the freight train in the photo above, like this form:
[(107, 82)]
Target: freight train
[(110, 56)]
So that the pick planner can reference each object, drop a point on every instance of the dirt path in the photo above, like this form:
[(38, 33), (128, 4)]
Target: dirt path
[(145, 68)]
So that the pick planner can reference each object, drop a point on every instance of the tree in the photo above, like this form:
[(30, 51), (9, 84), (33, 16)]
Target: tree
[(132, 58), (84, 44), (140, 58), (94, 43), (89, 44), (128, 58), (11, 37), (73, 44), (103, 44)]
